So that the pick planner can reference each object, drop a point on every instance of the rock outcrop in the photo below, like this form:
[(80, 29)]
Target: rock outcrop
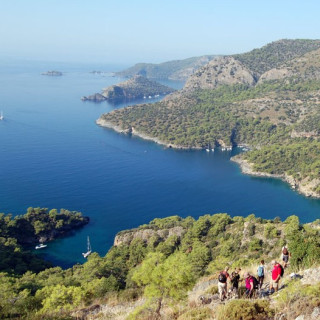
[(126, 237), (220, 71)]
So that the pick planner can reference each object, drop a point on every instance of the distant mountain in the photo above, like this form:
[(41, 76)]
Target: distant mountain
[(135, 88), (173, 70)]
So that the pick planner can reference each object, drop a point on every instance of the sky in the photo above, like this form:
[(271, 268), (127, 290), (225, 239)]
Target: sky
[(126, 32)]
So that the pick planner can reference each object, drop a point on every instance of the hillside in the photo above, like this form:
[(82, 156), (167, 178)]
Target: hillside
[(173, 70), (225, 104), (137, 87), (276, 53), (304, 67), (163, 270)]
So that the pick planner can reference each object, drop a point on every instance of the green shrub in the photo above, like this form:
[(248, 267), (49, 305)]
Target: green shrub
[(245, 310), (197, 314), (298, 299), (270, 231)]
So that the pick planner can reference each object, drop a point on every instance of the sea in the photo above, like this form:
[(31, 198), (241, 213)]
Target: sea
[(53, 155)]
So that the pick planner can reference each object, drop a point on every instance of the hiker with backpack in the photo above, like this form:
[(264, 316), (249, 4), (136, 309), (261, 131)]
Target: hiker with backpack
[(251, 284), (276, 274), (260, 272), (222, 283), (235, 278), (285, 254)]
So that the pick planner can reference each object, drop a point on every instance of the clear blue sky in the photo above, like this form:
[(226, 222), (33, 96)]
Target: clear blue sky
[(148, 30)]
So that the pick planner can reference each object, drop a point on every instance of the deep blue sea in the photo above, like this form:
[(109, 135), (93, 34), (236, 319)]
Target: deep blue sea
[(53, 155)]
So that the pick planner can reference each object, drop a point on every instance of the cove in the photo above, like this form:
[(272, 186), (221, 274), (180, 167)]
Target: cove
[(53, 155)]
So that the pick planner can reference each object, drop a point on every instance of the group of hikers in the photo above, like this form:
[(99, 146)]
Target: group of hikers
[(252, 283)]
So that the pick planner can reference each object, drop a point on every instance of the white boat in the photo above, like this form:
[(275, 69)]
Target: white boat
[(41, 246), (1, 116), (86, 254)]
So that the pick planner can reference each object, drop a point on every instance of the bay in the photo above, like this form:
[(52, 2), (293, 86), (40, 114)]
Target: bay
[(53, 155)]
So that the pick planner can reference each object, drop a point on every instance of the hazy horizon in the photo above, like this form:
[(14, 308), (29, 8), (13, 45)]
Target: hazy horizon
[(131, 32)]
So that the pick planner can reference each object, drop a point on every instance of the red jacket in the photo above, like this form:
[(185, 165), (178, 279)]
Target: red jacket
[(276, 271)]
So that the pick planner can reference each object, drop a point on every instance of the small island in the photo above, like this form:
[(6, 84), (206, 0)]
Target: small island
[(52, 73), (137, 87)]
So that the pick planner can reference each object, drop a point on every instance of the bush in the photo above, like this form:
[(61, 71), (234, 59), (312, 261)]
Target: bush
[(270, 231), (197, 314), (245, 310), (298, 299)]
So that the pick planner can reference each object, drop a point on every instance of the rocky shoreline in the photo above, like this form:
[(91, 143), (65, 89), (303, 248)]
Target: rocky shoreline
[(305, 187), (107, 124)]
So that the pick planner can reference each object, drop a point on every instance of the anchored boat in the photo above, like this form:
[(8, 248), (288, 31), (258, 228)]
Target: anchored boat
[(41, 246), (86, 254)]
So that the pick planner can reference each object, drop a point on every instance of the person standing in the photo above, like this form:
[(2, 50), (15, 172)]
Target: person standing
[(261, 272), (222, 283), (285, 256), (276, 274), (235, 278), (249, 285)]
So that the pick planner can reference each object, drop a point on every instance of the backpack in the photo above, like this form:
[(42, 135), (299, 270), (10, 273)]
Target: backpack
[(282, 270), (222, 278), (260, 271), (255, 282), (285, 251)]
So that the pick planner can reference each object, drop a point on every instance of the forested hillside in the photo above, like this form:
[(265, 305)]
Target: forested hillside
[(275, 54), (174, 70), (22, 231), (220, 106), (156, 264)]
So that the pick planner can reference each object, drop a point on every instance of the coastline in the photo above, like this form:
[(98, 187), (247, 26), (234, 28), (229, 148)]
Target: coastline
[(107, 124), (304, 187)]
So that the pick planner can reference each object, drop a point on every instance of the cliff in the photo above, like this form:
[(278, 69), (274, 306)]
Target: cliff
[(137, 87)]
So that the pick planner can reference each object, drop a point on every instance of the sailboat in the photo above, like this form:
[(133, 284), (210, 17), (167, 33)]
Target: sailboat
[(86, 254), (1, 116)]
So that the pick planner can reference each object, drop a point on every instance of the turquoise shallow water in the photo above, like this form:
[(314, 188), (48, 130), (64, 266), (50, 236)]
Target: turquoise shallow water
[(53, 155)]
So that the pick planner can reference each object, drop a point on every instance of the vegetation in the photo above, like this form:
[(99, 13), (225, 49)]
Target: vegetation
[(245, 310), (37, 223), (176, 70), (164, 269), (299, 159), (276, 53)]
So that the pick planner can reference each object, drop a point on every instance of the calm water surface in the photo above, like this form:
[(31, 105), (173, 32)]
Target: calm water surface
[(53, 155)]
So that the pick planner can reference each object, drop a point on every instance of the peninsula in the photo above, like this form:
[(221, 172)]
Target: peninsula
[(138, 87), (267, 99)]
